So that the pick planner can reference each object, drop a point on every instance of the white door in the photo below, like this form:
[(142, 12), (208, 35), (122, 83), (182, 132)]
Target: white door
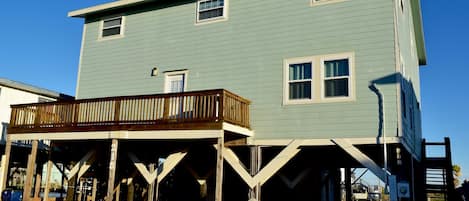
[(175, 83)]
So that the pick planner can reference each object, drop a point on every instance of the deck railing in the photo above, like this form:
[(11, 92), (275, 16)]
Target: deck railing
[(189, 110)]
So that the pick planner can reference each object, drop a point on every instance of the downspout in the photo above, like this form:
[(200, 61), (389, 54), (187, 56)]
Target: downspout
[(381, 130)]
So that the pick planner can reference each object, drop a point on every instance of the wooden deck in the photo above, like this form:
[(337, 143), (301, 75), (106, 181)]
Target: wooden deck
[(198, 110)]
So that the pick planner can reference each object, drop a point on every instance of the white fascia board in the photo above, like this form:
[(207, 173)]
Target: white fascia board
[(105, 7)]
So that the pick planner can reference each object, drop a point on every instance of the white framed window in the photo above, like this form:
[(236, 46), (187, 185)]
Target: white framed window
[(175, 81), (321, 78), (322, 2), (336, 76), (112, 27), (211, 10), (299, 80)]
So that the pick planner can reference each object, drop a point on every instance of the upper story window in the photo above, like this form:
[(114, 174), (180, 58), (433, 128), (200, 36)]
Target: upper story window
[(323, 78), (208, 10), (112, 27), (299, 81), (336, 78)]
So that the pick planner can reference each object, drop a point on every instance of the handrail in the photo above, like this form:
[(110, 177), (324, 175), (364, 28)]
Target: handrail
[(188, 110)]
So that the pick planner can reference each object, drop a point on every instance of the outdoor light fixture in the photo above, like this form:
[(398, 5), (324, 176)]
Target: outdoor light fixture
[(154, 72)]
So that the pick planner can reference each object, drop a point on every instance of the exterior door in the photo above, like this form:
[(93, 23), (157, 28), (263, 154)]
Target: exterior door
[(175, 83)]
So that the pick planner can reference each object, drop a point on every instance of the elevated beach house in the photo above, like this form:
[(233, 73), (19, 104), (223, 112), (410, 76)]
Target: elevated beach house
[(237, 100)]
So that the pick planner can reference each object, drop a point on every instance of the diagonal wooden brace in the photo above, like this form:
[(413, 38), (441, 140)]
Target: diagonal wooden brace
[(363, 159), (83, 165), (269, 170), (170, 163)]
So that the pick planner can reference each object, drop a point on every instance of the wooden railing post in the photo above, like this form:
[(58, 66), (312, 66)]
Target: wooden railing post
[(166, 108), (117, 111), (76, 108), (221, 104), (37, 117)]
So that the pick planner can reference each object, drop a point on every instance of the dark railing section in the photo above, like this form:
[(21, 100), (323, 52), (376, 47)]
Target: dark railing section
[(188, 110)]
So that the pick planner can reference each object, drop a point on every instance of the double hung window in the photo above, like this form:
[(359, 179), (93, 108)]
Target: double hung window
[(208, 10), (336, 78), (112, 27), (299, 82), (321, 78)]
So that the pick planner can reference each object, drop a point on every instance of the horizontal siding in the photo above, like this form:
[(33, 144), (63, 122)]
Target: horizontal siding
[(245, 55), (410, 72)]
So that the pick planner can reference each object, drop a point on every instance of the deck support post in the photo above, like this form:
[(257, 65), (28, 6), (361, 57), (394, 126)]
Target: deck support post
[(256, 159), (219, 169), (151, 186), (30, 171), (94, 189), (48, 172), (37, 186), (5, 166), (112, 170), (48, 175), (348, 184)]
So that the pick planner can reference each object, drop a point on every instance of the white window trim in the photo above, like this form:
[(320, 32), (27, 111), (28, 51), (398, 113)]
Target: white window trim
[(172, 73), (317, 79), (286, 80), (101, 27), (351, 77), (323, 2), (224, 17)]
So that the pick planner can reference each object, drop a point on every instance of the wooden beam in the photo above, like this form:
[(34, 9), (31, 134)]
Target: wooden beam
[(278, 162), (233, 160), (150, 176), (269, 170), (48, 175), (94, 189), (84, 162), (348, 184), (255, 167), (37, 186), (151, 186), (112, 170), (167, 133), (5, 165), (30, 171), (361, 157), (219, 170), (170, 163)]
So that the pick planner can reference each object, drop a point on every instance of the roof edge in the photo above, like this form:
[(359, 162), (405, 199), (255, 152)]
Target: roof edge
[(33, 89), (105, 7), (418, 31)]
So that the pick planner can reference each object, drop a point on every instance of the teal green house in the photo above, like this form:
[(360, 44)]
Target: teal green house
[(292, 95)]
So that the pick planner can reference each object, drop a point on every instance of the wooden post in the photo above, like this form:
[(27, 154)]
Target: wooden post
[(37, 186), (80, 190), (130, 190), (112, 170), (256, 159), (95, 187), (5, 166), (348, 184), (151, 186), (48, 173), (118, 190), (30, 171), (219, 170)]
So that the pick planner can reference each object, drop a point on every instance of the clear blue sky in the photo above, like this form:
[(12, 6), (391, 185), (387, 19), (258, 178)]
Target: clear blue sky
[(40, 45)]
